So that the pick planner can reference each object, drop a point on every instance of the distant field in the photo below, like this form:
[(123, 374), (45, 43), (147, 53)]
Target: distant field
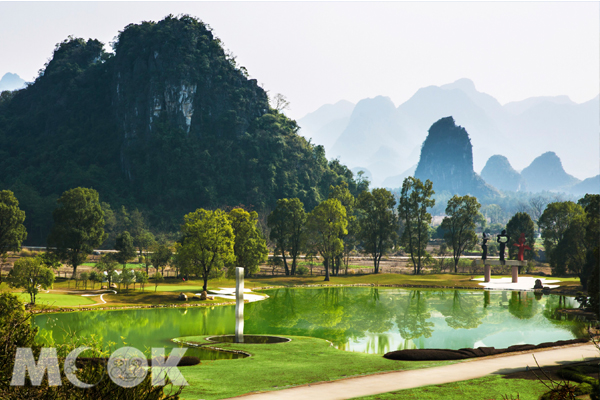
[(134, 265)]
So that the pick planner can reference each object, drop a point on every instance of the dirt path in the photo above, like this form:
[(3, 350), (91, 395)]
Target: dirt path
[(392, 381)]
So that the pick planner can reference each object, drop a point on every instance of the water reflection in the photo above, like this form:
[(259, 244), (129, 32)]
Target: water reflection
[(368, 320)]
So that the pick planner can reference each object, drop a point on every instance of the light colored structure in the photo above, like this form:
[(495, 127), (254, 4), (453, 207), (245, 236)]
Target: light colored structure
[(239, 305), (488, 268)]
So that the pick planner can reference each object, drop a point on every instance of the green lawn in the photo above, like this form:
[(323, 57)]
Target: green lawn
[(281, 365), (493, 387), (59, 300)]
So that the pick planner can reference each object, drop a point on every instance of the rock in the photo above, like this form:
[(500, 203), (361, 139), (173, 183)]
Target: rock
[(538, 284), (182, 297), (104, 287), (210, 298), (203, 295), (113, 285)]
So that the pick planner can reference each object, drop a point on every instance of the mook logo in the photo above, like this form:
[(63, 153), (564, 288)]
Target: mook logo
[(127, 367)]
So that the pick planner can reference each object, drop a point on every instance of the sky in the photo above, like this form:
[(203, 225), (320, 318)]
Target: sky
[(317, 53)]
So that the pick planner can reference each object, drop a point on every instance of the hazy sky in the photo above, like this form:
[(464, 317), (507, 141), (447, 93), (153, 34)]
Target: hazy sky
[(316, 53)]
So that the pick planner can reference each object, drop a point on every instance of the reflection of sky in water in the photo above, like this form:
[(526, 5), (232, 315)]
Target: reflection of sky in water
[(355, 319)]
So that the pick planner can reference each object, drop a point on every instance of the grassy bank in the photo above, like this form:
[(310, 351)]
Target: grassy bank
[(277, 366), (65, 294)]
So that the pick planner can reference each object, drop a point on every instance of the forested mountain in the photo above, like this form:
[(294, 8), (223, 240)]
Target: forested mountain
[(167, 123), (447, 161)]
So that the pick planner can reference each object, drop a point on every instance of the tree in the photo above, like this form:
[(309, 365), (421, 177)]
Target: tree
[(158, 278), (342, 193), (84, 276), (521, 223), (144, 241), (537, 205), (554, 223), (12, 230), (142, 278), (249, 247), (415, 198), (161, 257), (590, 271), (206, 244), (107, 264), (125, 248), (462, 214), (29, 274), (95, 277), (127, 277), (325, 224), (287, 227), (78, 226), (377, 222)]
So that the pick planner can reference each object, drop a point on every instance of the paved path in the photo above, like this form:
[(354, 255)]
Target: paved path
[(391, 381)]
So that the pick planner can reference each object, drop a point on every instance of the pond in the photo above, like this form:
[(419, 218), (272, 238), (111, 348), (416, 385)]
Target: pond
[(370, 320)]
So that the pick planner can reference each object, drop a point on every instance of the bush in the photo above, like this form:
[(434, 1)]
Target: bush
[(302, 270)]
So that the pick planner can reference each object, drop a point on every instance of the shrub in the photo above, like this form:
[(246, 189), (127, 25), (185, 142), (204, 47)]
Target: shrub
[(302, 270)]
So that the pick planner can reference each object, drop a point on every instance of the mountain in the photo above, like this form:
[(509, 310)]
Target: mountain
[(499, 173), (519, 107), (394, 182), (447, 161), (518, 130), (11, 82), (167, 124), (589, 186), (546, 173), (326, 124)]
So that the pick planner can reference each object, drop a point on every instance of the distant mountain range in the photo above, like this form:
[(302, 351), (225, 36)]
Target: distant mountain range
[(11, 81), (386, 140)]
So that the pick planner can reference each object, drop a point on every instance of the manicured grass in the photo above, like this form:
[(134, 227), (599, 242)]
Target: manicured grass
[(55, 300), (492, 387), (281, 365)]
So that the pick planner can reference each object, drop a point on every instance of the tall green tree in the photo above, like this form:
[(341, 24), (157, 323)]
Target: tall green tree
[(12, 230), (161, 257), (343, 194), (554, 222), (29, 273), (377, 222), (78, 226), (462, 214), (250, 248), (287, 227), (108, 264), (125, 248), (206, 244), (325, 225), (590, 272), (415, 198), (521, 222)]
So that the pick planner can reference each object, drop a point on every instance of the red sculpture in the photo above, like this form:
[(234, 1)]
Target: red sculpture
[(522, 247)]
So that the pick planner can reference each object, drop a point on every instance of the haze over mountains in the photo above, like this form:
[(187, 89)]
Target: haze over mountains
[(386, 140), (10, 81)]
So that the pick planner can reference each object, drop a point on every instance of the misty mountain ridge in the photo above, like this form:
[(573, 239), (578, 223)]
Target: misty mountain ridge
[(518, 130), (547, 173), (10, 81)]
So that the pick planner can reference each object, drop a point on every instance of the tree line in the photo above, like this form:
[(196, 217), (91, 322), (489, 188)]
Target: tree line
[(214, 242)]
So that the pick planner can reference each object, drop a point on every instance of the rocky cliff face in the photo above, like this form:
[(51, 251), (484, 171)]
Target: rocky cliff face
[(499, 173), (447, 160), (175, 75), (546, 173)]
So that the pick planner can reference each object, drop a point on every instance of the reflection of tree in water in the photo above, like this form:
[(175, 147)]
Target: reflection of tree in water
[(523, 305), (574, 325), (338, 314), (462, 313), (412, 323)]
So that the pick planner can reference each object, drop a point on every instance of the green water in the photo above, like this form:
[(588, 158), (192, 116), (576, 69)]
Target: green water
[(367, 320)]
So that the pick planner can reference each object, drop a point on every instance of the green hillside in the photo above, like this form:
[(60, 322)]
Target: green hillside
[(167, 123)]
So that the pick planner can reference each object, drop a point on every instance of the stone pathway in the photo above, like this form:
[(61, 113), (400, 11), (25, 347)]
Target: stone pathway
[(398, 380)]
